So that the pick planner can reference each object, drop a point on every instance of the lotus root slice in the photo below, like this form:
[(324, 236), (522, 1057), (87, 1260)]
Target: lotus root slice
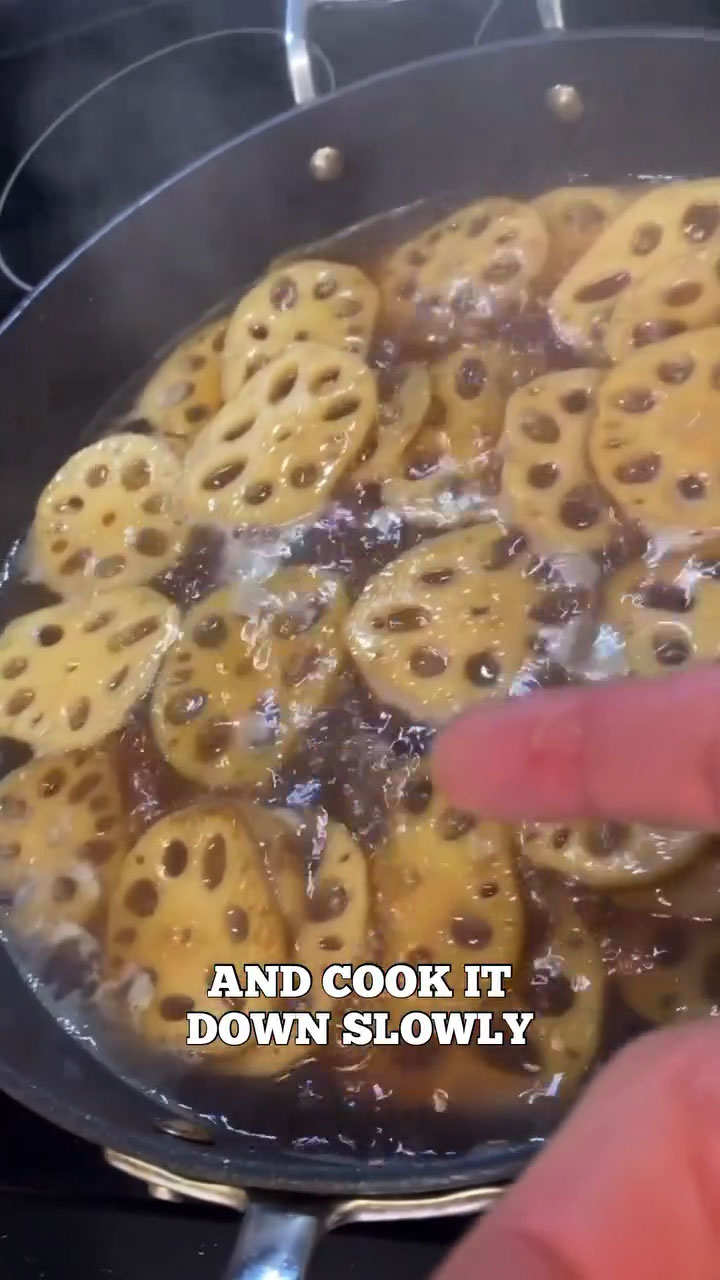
[(109, 518), (273, 454), (70, 673), (312, 301)]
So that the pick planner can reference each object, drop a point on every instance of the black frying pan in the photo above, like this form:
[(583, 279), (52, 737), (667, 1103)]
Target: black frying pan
[(492, 118)]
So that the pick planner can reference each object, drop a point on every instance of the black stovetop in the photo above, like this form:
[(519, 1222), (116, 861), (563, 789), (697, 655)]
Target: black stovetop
[(94, 89)]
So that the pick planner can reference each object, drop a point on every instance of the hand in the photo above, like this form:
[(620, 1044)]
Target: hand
[(629, 1189), (642, 750), (630, 1186)]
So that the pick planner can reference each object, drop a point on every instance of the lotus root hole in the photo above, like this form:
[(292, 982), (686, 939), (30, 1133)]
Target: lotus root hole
[(96, 476), (135, 475), (282, 386), (50, 635), (470, 378), (258, 331), (342, 407), (110, 566), (151, 542), (174, 859), (304, 475), (238, 923), (676, 371), (692, 487), (700, 222), (141, 899), (542, 475), (76, 562), (671, 647), (175, 1007), (683, 293), (325, 380), (97, 623), (639, 470), (427, 662), (211, 633), (483, 669), (471, 931), (605, 289), (575, 401), (551, 994), (214, 862), (221, 477), (241, 429), (646, 239), (19, 702)]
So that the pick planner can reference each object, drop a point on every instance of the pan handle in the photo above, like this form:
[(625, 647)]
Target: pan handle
[(275, 1243), (297, 43)]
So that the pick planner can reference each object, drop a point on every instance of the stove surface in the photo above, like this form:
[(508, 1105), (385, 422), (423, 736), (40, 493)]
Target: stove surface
[(90, 95)]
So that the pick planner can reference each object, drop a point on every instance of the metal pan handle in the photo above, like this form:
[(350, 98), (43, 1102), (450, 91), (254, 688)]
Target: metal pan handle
[(297, 40), (275, 1243)]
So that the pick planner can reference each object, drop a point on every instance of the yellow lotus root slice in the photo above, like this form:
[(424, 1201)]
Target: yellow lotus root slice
[(241, 684), (70, 673), (546, 479), (400, 415), (185, 391), (693, 894), (609, 855), (316, 301), (677, 296), (565, 988), (457, 619), (661, 225), (445, 890), (654, 442), (334, 931), (468, 266), (193, 892), (658, 619), (449, 469), (671, 970), (109, 518), (575, 217), (273, 454), (63, 837)]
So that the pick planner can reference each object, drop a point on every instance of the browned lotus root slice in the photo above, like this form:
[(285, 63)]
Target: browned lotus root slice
[(238, 688), (334, 930), (273, 454), (70, 673), (654, 442), (660, 618), (565, 988), (109, 518), (675, 297), (609, 855), (185, 392), (457, 619), (670, 970), (400, 415), (278, 834), (192, 892), (659, 226), (575, 217), (63, 837), (448, 468), (546, 478), (693, 894), (468, 266), (316, 301), (445, 890)]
